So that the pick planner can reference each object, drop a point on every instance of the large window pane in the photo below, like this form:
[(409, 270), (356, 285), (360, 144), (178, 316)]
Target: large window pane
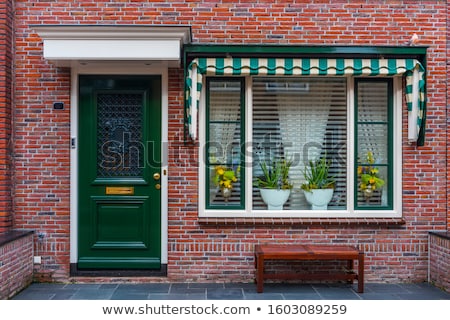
[(373, 150), (300, 119), (225, 172)]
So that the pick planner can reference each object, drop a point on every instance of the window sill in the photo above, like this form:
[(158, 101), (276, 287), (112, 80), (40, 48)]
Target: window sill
[(228, 221)]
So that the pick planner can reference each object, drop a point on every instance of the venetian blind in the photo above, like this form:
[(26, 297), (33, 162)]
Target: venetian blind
[(301, 119), (224, 136), (373, 133)]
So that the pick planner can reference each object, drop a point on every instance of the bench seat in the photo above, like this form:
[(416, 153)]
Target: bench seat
[(309, 252)]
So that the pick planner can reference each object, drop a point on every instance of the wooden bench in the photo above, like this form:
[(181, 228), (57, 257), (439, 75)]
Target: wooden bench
[(309, 252)]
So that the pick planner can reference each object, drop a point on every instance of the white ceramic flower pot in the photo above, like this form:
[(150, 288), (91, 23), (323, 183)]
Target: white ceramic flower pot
[(275, 199), (319, 198)]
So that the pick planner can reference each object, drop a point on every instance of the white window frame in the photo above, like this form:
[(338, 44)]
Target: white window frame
[(248, 212)]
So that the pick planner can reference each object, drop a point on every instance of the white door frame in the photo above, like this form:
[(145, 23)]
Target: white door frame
[(117, 68)]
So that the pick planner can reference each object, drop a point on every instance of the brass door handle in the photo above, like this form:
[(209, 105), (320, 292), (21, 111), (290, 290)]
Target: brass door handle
[(157, 186), (156, 176)]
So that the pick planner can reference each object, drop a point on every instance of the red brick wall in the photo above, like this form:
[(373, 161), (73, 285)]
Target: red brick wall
[(225, 252), (448, 115), (440, 260), (6, 18), (16, 265)]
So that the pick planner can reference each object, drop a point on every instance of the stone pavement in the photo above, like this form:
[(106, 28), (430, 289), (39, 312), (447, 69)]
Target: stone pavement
[(230, 291)]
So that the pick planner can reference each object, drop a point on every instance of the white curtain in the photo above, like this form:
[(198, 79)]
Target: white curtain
[(303, 122)]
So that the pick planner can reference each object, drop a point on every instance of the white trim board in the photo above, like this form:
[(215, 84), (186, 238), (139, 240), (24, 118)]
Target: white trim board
[(64, 44)]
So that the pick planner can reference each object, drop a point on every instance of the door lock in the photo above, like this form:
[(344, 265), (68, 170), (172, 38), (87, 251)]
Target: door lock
[(156, 176), (157, 186)]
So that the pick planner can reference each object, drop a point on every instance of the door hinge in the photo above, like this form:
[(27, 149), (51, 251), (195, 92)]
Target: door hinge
[(73, 143)]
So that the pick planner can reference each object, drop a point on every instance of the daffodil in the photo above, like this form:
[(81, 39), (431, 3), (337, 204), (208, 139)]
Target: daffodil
[(224, 177), (369, 175)]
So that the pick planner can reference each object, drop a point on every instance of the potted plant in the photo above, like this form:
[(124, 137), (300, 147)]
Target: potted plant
[(274, 185), (370, 181), (224, 178), (319, 186)]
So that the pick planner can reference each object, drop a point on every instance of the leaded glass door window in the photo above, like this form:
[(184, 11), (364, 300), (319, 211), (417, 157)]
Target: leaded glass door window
[(119, 140)]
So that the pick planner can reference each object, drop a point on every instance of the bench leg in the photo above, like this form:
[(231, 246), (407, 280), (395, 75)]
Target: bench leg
[(361, 272), (350, 269), (259, 274)]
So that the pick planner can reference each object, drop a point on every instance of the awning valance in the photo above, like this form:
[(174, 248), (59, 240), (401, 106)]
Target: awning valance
[(410, 68)]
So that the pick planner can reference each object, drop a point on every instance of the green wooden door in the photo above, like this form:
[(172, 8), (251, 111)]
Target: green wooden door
[(119, 217)]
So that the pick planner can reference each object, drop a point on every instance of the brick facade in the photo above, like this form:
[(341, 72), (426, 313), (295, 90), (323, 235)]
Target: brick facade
[(16, 262), (205, 250), (6, 44), (447, 112), (440, 260)]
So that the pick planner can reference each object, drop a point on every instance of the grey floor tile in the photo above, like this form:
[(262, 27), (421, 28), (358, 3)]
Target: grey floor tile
[(348, 296), (379, 296), (419, 296), (334, 289), (174, 289), (426, 289), (64, 294), (384, 287), (82, 286), (302, 296), (179, 286), (288, 287), (207, 285), (108, 286), (145, 287), (263, 296), (224, 294), (344, 292), (48, 286), (244, 286), (92, 294), (34, 295), (178, 296), (129, 295), (39, 291)]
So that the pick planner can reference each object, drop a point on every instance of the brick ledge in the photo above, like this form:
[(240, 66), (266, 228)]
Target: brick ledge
[(300, 221), (11, 236), (441, 234)]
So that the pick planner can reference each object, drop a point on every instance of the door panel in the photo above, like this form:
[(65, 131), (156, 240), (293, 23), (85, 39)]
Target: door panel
[(119, 154), (114, 232)]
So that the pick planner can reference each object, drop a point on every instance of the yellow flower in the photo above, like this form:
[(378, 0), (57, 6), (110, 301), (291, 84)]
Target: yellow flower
[(227, 184), (369, 175), (224, 177)]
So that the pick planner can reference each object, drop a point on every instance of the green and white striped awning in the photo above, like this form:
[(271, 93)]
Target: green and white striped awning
[(410, 68)]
